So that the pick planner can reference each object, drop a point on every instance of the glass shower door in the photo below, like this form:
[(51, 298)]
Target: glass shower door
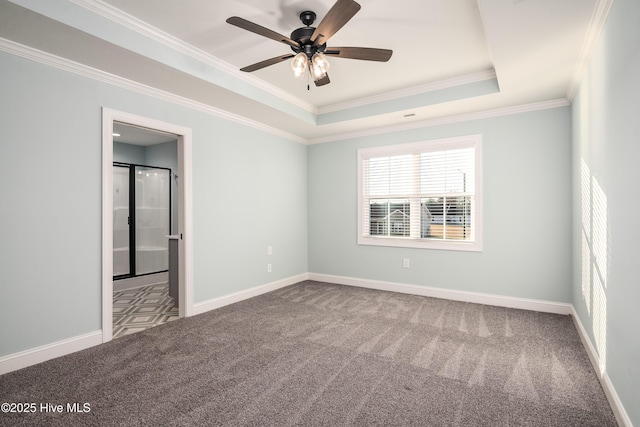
[(121, 259), (152, 218)]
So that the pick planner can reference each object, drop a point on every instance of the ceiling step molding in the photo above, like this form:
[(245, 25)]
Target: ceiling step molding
[(497, 112), (116, 15), (102, 76), (106, 14), (596, 26), (99, 75), (45, 58), (410, 91)]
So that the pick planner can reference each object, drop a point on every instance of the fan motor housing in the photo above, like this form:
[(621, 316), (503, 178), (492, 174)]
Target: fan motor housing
[(303, 36)]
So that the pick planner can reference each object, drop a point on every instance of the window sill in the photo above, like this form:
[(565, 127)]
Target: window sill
[(402, 242)]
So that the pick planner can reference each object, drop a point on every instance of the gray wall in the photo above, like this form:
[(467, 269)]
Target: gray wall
[(527, 219), (128, 153), (252, 189), (249, 191), (606, 125)]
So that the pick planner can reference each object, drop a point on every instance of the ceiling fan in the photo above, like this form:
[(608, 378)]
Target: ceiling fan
[(310, 43)]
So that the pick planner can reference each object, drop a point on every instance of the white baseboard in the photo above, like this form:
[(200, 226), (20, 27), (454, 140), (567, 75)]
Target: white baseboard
[(427, 291), (46, 352), (20, 360), (612, 396), (501, 301), (43, 353), (211, 304), (36, 355)]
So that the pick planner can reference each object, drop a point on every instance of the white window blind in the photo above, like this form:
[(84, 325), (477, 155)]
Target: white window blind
[(421, 195)]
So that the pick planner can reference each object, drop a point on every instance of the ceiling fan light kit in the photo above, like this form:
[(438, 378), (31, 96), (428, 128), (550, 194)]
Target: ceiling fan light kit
[(310, 43), (319, 65), (299, 64)]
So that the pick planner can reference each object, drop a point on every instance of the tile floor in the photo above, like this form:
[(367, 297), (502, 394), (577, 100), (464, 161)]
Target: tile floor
[(137, 309)]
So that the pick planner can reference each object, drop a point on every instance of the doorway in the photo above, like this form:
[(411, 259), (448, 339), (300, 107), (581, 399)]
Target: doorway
[(138, 252)]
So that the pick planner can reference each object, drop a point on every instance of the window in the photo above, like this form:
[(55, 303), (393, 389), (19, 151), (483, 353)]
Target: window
[(421, 195)]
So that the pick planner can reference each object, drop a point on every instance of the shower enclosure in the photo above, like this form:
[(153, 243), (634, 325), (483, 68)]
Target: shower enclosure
[(141, 219)]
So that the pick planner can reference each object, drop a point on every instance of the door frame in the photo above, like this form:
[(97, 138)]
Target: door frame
[(185, 211)]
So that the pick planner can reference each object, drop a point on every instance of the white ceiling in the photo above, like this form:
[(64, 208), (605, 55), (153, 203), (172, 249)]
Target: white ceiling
[(447, 41), (451, 57)]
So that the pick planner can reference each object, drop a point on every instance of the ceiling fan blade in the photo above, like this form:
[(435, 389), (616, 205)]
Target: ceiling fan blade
[(265, 63), (324, 80), (363, 53), (258, 29), (339, 14)]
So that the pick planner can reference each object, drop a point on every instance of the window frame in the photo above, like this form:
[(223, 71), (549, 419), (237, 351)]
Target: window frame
[(444, 144)]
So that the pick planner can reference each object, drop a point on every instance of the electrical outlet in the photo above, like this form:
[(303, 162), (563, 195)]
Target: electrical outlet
[(269, 250), (268, 268), (405, 263)]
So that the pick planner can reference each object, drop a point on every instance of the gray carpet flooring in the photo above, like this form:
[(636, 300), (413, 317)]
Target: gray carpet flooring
[(323, 354)]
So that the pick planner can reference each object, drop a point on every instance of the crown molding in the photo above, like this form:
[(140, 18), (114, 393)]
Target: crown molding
[(497, 112), (596, 26), (112, 79), (120, 17), (105, 10), (410, 91), (45, 58)]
